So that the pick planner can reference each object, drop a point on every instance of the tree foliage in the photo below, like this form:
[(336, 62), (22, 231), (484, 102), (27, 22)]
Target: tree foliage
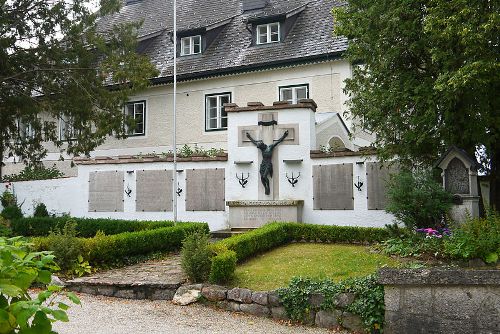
[(428, 76), (56, 64)]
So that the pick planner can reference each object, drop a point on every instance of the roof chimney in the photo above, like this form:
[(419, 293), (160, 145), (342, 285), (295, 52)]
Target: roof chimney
[(254, 4)]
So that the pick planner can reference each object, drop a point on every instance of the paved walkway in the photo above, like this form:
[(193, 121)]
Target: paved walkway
[(105, 315)]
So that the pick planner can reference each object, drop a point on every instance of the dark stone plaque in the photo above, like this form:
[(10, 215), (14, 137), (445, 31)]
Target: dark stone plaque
[(457, 177)]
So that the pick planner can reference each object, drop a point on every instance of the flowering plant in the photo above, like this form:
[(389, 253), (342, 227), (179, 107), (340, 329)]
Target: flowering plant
[(434, 233)]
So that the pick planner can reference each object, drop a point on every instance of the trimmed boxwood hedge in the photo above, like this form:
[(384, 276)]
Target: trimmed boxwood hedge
[(277, 234), (86, 227), (107, 249)]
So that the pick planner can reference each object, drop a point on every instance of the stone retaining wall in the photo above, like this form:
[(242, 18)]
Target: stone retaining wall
[(441, 301), (268, 304)]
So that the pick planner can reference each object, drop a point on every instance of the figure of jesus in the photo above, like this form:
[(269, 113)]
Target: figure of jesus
[(266, 167)]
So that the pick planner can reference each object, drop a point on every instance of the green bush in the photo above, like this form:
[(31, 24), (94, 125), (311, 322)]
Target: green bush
[(86, 227), (40, 210), (5, 230), (476, 238), (20, 311), (30, 173), (65, 246), (368, 302), (417, 200), (195, 256), (12, 212), (8, 199), (105, 250), (223, 267)]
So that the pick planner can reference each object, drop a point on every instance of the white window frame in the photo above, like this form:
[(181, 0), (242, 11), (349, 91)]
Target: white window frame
[(294, 89), (136, 103), (220, 108), (268, 33), (65, 122), (190, 41), (25, 131)]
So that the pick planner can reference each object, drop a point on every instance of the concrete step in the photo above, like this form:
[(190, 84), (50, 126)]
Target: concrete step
[(222, 234)]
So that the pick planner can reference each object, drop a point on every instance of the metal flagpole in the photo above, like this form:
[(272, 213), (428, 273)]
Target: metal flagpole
[(174, 125)]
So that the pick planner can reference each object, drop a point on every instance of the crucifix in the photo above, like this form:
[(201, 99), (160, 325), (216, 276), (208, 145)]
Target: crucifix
[(266, 136)]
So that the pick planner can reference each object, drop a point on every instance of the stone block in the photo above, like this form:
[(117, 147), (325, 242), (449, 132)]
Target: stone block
[(391, 298), (255, 309), (89, 289), (352, 322), (328, 319), (344, 299), (310, 318), (279, 312), (456, 302), (229, 306), (214, 293), (240, 295), (162, 294), (260, 297), (106, 290), (125, 293), (184, 298), (273, 299), (316, 299), (418, 300)]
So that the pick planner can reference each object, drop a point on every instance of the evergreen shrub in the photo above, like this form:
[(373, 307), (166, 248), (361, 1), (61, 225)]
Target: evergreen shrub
[(40, 210), (86, 227), (195, 256)]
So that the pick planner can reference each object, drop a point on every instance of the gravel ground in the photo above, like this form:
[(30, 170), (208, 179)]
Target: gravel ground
[(103, 315)]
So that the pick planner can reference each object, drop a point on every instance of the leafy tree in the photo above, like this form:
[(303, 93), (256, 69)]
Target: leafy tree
[(428, 77), (56, 63)]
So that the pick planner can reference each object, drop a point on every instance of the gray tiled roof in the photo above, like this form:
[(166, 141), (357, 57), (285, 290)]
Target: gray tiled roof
[(310, 37)]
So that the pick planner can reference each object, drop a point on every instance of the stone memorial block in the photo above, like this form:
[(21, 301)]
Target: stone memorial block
[(333, 187), (154, 190), (205, 190), (106, 191), (377, 176), (254, 214), (457, 177)]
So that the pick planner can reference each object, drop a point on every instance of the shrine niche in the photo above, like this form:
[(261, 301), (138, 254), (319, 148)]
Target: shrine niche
[(459, 173)]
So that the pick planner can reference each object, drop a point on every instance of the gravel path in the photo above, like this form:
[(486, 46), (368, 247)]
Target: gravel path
[(104, 315)]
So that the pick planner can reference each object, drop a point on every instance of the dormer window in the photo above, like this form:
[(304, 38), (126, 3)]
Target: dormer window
[(268, 33), (190, 45)]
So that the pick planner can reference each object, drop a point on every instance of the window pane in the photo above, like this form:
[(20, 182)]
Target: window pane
[(224, 122), (197, 48), (262, 34), (130, 109), (212, 112), (274, 28), (197, 44), (301, 93), (212, 123), (286, 94), (139, 109)]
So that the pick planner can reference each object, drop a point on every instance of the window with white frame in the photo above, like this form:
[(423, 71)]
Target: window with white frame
[(190, 45), (25, 130), (216, 115), (293, 94), (66, 128), (137, 111), (268, 33)]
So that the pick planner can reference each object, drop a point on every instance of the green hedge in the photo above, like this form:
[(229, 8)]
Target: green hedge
[(276, 234), (223, 267), (86, 227), (108, 249)]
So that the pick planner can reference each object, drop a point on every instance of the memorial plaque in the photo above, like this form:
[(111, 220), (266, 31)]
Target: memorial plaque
[(106, 191), (254, 214), (377, 176), (154, 191), (457, 177), (205, 190), (333, 187)]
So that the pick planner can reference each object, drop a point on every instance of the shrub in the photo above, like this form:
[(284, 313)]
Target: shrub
[(19, 269), (8, 199), (86, 227), (368, 302), (223, 267), (35, 173), (195, 256), (12, 212), (65, 246), (476, 238), (417, 200), (5, 230), (40, 210)]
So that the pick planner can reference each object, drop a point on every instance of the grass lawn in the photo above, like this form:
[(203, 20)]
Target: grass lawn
[(274, 269)]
